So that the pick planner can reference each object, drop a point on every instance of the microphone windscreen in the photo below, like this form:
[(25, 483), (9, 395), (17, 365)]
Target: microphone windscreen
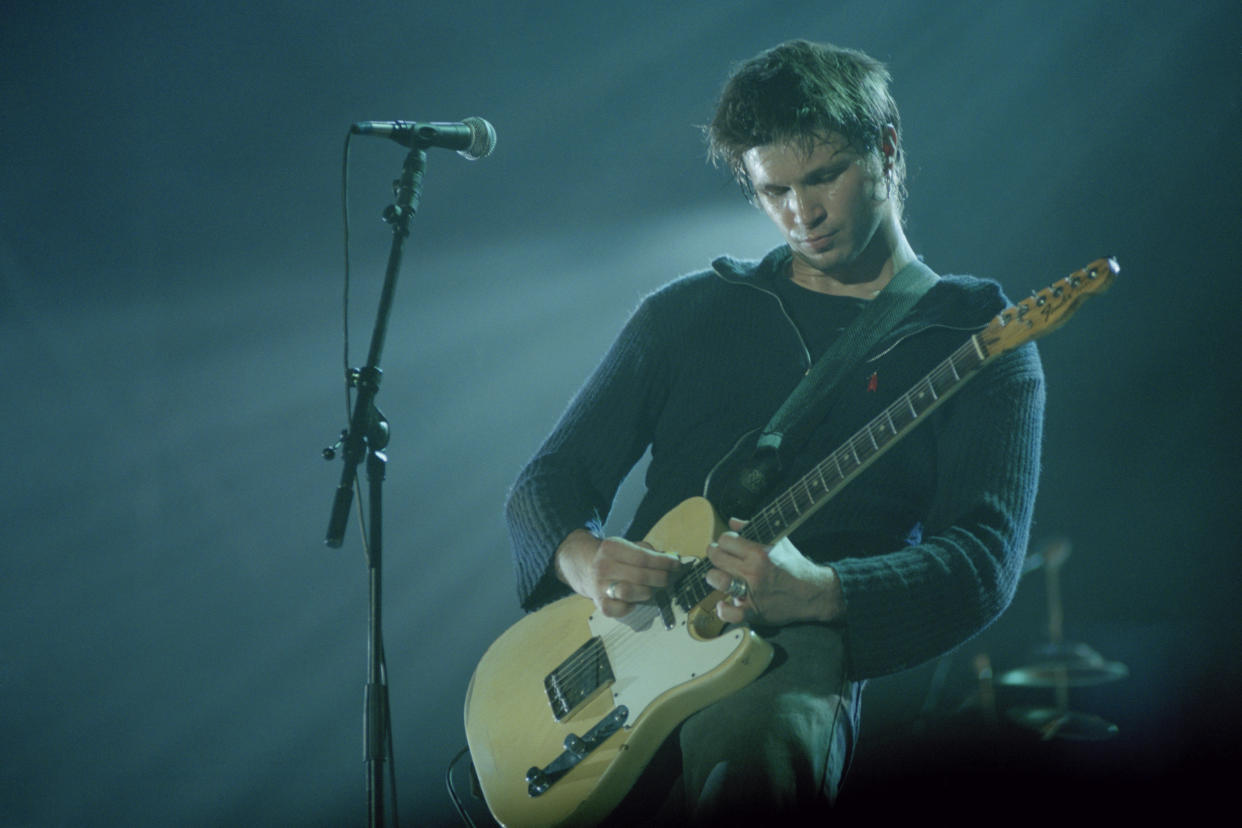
[(482, 139)]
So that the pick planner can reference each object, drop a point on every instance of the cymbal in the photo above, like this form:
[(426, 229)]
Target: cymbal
[(1065, 664), (1051, 723)]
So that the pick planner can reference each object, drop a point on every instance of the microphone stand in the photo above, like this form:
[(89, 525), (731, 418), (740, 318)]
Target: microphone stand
[(368, 436)]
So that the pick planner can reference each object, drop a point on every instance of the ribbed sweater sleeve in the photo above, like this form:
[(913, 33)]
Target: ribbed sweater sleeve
[(910, 605), (571, 482)]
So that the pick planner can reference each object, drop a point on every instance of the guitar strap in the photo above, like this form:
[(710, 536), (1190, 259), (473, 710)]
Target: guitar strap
[(804, 408)]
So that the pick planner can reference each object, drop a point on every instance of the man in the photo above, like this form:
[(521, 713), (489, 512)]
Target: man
[(918, 554)]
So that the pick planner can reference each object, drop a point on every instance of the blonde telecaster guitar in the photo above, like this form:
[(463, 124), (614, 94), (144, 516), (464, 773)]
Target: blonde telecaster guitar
[(566, 708)]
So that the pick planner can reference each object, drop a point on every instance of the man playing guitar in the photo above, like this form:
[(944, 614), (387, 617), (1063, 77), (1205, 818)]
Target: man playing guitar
[(920, 553)]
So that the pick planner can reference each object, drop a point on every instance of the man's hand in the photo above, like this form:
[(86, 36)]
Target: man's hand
[(782, 585), (614, 573)]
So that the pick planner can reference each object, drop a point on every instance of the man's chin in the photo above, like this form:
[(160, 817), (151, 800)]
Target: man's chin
[(827, 261)]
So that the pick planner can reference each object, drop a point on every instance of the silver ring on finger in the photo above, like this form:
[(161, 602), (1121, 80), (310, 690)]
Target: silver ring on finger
[(611, 592), (737, 588)]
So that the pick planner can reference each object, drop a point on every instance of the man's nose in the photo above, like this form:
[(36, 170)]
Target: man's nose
[(807, 211)]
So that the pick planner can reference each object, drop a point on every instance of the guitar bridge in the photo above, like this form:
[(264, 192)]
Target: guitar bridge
[(577, 748)]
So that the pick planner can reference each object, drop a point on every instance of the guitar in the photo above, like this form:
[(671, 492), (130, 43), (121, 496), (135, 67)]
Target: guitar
[(567, 706)]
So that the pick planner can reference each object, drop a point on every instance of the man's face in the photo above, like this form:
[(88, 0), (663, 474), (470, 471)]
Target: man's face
[(825, 204)]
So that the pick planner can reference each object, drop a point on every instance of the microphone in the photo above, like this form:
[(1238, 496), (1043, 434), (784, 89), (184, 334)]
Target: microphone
[(473, 138)]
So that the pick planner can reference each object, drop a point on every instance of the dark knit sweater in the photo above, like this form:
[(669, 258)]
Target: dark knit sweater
[(928, 542)]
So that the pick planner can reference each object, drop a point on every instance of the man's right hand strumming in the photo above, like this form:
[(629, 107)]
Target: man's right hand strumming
[(613, 572)]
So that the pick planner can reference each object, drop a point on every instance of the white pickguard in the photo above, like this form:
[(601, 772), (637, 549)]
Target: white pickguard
[(648, 660)]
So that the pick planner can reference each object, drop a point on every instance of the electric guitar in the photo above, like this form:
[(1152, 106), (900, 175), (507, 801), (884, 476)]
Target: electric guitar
[(566, 708)]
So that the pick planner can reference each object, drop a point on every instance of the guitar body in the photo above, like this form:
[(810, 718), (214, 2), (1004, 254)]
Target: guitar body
[(659, 676)]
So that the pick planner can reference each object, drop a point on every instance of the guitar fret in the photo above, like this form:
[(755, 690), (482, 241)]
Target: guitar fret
[(789, 506), (772, 520), (861, 448), (948, 383), (824, 483), (816, 484), (902, 417), (777, 526), (805, 491)]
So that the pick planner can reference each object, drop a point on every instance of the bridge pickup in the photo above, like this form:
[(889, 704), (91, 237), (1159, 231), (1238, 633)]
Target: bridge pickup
[(577, 678), (577, 748)]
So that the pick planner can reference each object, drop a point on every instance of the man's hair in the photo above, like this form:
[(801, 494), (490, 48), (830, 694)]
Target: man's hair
[(797, 93)]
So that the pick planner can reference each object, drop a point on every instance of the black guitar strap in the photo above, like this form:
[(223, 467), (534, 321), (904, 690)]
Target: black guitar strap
[(804, 408)]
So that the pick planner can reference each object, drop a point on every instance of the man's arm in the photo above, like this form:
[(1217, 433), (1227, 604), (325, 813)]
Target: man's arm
[(915, 603), (569, 485)]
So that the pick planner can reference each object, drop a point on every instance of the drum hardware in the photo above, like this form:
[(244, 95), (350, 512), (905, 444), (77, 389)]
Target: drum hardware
[(1060, 665)]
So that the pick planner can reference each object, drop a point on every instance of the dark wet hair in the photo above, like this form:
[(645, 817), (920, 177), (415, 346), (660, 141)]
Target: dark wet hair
[(798, 93)]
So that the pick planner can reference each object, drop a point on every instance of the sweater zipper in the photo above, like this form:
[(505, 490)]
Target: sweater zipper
[(806, 351)]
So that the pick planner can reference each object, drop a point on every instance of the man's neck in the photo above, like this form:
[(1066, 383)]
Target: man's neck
[(866, 277)]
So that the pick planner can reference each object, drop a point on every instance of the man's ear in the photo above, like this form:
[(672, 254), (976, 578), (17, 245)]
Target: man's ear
[(888, 145)]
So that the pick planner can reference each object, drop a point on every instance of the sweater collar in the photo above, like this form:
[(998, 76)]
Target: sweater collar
[(957, 300), (764, 271)]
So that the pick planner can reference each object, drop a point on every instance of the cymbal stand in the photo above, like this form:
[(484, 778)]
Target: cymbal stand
[(1060, 666)]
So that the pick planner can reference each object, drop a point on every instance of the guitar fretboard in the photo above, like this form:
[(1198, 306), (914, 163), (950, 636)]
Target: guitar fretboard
[(793, 506)]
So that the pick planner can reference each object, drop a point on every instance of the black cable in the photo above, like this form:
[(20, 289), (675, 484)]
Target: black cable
[(452, 792), (347, 370), (345, 297)]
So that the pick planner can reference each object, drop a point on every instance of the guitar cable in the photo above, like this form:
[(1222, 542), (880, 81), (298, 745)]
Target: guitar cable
[(452, 791)]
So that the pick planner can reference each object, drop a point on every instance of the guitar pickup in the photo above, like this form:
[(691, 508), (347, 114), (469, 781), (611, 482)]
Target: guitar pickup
[(578, 678), (577, 748)]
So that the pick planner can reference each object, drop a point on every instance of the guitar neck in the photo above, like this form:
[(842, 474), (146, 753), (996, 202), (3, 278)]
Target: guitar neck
[(1013, 327), (797, 503)]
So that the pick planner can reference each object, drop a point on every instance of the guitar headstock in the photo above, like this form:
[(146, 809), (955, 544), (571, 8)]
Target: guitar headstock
[(1047, 309)]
